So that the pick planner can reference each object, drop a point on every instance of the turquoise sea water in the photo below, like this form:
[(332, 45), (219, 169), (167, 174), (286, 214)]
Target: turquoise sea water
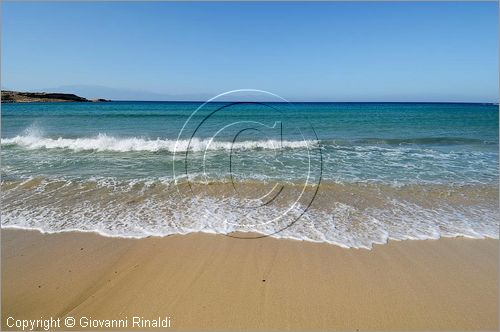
[(108, 148)]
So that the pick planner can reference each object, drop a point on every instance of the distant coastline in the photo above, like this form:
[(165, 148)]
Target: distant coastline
[(37, 97)]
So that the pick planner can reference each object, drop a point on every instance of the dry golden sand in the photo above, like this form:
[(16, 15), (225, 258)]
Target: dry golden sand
[(215, 282)]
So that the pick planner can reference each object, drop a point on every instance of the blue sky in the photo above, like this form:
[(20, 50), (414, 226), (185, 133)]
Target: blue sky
[(425, 51)]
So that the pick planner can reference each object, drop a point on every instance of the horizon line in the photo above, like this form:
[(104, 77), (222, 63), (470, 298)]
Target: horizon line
[(295, 102), (3, 89), (265, 102)]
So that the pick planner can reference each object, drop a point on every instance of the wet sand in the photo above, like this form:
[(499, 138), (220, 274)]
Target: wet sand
[(204, 281)]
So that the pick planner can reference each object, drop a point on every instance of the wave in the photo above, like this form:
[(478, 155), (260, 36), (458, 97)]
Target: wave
[(140, 209), (103, 142)]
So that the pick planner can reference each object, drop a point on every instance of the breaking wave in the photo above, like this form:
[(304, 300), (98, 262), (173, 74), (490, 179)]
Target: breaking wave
[(103, 142)]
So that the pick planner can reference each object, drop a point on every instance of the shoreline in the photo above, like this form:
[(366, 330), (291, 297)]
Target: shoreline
[(142, 209), (205, 281), (251, 235)]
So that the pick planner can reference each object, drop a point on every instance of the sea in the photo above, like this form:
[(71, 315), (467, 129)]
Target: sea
[(349, 174)]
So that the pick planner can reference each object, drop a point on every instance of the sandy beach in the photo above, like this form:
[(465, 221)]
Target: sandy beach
[(203, 281)]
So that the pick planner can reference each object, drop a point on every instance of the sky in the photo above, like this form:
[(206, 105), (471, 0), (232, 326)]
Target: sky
[(334, 51)]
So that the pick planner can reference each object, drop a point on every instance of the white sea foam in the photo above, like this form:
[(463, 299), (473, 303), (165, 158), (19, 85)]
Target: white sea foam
[(142, 209), (335, 226), (103, 142)]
